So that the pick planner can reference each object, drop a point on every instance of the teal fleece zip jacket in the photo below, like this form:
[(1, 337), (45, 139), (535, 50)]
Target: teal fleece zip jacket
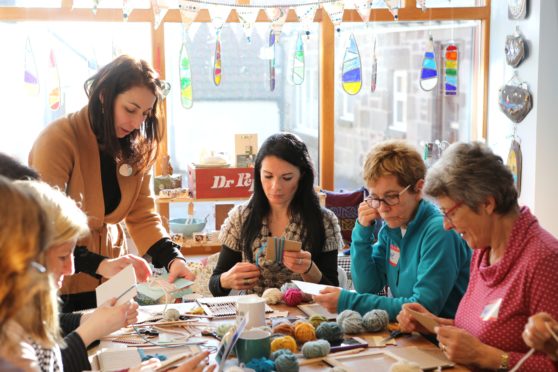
[(428, 265)]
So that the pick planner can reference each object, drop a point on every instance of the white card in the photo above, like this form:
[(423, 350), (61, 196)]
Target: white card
[(309, 288), (121, 286)]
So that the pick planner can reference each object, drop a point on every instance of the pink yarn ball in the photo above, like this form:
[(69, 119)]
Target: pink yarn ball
[(292, 297)]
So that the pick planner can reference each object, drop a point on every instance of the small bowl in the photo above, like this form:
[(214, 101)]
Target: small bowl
[(186, 226)]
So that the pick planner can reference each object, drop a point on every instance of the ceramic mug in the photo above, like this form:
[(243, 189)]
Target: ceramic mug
[(252, 344), (253, 308)]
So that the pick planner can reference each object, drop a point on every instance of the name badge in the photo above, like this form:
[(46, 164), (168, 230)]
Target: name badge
[(394, 254), (490, 311)]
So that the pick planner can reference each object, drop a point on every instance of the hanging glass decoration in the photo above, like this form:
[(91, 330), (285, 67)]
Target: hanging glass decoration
[(429, 71), (393, 6), (188, 12), (159, 12), (451, 70), (422, 5), (30, 76), (217, 60), (126, 9), (94, 6), (53, 84), (272, 42), (247, 17), (219, 15), (374, 68), (277, 16), (364, 9), (335, 12), (514, 163), (298, 61), (351, 76), (305, 15)]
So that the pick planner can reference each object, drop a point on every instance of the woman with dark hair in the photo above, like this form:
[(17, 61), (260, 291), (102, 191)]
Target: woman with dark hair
[(101, 157), (284, 204)]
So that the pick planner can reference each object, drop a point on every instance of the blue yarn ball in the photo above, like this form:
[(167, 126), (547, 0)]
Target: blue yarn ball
[(350, 322), (261, 365), (331, 332), (316, 349), (278, 353), (287, 362), (375, 320)]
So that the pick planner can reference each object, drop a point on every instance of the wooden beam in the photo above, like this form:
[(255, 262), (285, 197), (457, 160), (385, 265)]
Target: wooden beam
[(327, 104)]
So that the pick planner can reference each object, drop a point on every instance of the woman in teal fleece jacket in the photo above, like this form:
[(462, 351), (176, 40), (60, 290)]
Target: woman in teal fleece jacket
[(414, 255)]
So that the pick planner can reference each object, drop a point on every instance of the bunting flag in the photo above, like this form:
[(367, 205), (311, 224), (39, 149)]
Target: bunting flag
[(188, 12), (335, 12), (305, 15), (159, 12), (247, 17), (127, 9), (272, 42), (298, 61), (352, 68), (451, 70), (422, 5), (393, 6), (429, 71), (185, 73), (277, 16), (364, 9), (30, 76), (53, 84), (374, 68)]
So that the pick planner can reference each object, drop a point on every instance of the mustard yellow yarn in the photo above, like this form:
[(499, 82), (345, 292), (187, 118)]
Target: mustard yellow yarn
[(286, 342), (304, 332)]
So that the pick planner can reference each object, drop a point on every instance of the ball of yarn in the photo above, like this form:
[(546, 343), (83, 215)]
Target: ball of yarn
[(286, 362), (222, 329), (171, 315), (304, 332), (375, 320), (286, 286), (350, 322), (272, 296), (276, 335), (261, 365), (278, 353), (316, 349), (330, 331), (405, 366), (292, 297), (316, 320), (285, 328), (285, 342)]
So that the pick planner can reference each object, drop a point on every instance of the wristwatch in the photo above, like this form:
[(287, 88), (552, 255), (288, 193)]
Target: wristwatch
[(504, 362)]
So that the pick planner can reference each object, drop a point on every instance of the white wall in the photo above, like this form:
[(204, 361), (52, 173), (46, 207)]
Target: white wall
[(539, 130)]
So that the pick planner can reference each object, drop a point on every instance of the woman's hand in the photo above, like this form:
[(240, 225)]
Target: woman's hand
[(408, 323), (366, 214), (328, 298), (243, 275), (537, 336), (463, 348), (109, 267), (179, 269), (197, 363), (297, 262)]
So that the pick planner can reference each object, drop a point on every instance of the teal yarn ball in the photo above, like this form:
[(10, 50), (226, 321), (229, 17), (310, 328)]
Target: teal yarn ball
[(278, 353), (286, 362), (331, 332), (375, 320), (350, 322), (316, 349), (261, 365)]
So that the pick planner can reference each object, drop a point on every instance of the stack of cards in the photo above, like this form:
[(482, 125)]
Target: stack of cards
[(274, 249)]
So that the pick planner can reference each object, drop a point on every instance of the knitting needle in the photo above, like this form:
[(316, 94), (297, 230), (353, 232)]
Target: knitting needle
[(319, 359)]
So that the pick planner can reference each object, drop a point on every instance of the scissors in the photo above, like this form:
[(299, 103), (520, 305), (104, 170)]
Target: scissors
[(392, 335)]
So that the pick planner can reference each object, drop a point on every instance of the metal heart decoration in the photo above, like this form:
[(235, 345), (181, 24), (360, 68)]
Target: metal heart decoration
[(515, 102)]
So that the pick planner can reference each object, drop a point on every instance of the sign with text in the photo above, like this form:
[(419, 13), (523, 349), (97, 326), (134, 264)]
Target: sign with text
[(216, 183)]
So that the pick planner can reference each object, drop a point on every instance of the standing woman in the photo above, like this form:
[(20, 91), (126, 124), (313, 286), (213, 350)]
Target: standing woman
[(101, 157), (284, 204)]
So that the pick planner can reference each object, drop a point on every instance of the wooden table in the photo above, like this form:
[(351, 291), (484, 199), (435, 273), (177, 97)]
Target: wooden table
[(404, 341)]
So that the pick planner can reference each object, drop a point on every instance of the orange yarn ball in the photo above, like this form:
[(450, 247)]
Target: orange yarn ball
[(284, 328), (286, 342), (304, 332)]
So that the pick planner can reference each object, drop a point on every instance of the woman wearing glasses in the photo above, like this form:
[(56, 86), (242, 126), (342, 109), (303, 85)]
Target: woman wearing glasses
[(513, 270), (414, 256), (101, 157)]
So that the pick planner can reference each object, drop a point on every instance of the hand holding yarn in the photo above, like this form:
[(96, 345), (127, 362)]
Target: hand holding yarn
[(328, 298), (297, 262), (243, 275)]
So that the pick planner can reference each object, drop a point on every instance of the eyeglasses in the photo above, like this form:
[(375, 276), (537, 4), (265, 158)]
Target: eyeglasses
[(390, 200), (450, 211)]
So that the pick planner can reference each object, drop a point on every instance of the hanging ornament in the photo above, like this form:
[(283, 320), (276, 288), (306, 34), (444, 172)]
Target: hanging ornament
[(515, 99), (335, 12), (305, 15), (217, 61), (277, 16), (429, 71), (351, 76), (126, 9), (364, 9), (451, 70), (514, 163), (159, 11), (517, 9), (94, 6), (374, 68), (298, 61), (272, 41), (53, 84), (219, 15), (422, 5), (30, 76), (393, 6), (247, 16), (185, 73)]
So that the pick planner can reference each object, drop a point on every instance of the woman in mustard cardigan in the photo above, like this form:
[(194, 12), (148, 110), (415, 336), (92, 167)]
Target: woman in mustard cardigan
[(101, 157)]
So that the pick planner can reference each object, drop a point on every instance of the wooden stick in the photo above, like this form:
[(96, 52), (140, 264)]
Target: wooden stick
[(305, 362)]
